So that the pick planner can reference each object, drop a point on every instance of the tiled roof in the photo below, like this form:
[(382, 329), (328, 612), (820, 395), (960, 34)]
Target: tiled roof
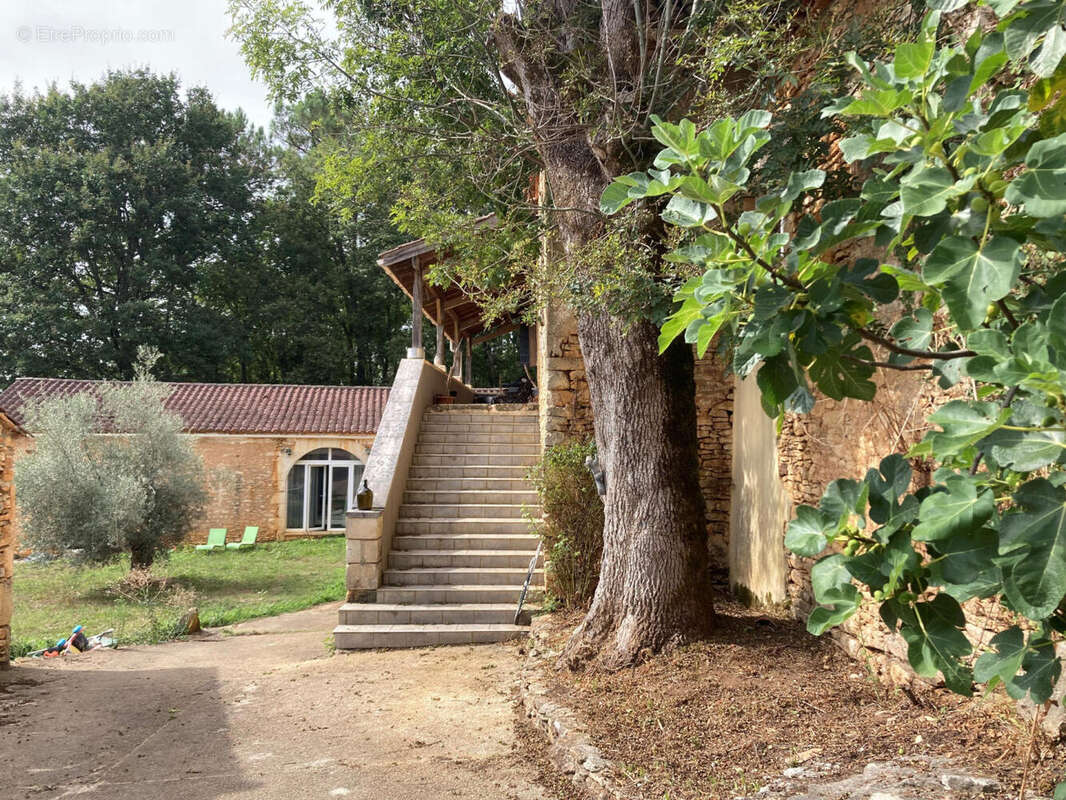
[(236, 407)]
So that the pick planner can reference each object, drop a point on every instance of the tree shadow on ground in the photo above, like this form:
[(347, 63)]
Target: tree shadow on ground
[(115, 734)]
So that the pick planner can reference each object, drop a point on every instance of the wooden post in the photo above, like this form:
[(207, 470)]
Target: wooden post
[(468, 362), (416, 306), (438, 354)]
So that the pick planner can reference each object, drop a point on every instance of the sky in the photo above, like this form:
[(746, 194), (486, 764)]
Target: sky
[(58, 40)]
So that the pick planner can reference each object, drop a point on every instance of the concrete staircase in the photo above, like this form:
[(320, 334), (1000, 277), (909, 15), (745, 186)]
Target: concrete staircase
[(462, 545)]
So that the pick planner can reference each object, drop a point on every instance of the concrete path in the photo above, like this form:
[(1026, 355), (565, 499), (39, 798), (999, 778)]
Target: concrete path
[(262, 710)]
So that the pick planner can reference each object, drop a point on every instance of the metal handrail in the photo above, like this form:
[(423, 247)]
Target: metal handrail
[(529, 577)]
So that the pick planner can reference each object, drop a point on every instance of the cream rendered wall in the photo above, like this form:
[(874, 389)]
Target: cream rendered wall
[(759, 508)]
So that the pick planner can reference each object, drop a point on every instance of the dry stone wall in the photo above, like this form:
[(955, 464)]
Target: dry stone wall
[(7, 533), (565, 407), (714, 429), (842, 440)]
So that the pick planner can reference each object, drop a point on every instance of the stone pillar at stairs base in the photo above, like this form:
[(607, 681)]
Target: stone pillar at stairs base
[(364, 563)]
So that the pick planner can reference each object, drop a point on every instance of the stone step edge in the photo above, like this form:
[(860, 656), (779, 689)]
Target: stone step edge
[(429, 627), (470, 491), (436, 551), (472, 536), (463, 570), (436, 607), (460, 587), (438, 520)]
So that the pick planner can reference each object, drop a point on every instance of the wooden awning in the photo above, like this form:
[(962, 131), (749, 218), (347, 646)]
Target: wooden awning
[(447, 306)]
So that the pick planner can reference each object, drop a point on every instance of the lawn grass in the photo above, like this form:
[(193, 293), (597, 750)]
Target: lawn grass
[(226, 587)]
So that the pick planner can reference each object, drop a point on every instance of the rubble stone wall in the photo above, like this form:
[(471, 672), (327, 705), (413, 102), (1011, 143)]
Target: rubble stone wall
[(7, 534), (714, 429), (843, 440), (565, 407)]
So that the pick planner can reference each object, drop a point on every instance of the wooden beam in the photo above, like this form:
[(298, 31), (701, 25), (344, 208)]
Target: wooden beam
[(497, 332), (468, 362), (416, 304), (438, 354)]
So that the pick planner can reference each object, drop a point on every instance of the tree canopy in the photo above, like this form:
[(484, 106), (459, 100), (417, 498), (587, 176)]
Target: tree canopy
[(132, 213)]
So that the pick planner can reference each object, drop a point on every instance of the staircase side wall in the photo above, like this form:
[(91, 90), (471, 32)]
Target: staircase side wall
[(413, 388)]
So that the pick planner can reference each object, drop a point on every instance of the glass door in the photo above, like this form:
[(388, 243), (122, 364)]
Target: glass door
[(317, 497), (339, 488)]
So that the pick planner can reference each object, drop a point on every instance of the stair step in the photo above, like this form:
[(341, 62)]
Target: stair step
[(364, 637), (432, 425), (477, 471), (497, 459), (531, 439), (477, 497), (506, 511), (481, 485), (481, 410), (466, 448), (437, 594), (457, 614), (412, 559), (442, 526), (461, 576), (523, 542)]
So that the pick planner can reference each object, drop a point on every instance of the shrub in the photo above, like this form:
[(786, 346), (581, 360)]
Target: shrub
[(572, 529), (137, 490)]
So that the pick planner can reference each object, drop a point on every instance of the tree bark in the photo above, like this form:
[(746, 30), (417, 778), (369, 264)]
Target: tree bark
[(654, 589), (141, 556)]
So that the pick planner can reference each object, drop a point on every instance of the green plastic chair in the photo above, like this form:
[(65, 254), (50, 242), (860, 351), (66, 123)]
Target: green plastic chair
[(216, 540), (247, 541)]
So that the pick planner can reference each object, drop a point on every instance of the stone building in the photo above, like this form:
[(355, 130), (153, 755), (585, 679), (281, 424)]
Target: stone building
[(8, 433), (288, 459)]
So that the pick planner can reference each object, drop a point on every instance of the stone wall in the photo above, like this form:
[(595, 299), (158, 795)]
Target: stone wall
[(247, 479), (565, 407), (842, 440), (7, 533), (714, 429)]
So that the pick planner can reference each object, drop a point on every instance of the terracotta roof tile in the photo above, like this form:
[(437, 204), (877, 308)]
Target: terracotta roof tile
[(236, 407)]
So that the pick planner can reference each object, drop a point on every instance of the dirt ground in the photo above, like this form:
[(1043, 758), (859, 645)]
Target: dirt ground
[(263, 710), (721, 717)]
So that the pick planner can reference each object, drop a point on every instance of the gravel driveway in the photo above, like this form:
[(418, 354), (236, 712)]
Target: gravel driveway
[(262, 710)]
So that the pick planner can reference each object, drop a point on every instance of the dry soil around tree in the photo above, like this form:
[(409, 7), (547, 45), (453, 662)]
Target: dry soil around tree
[(728, 715), (263, 710)]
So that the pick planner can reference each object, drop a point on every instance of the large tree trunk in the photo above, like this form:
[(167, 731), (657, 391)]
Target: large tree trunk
[(654, 588)]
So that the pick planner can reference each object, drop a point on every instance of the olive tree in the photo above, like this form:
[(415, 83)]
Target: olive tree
[(110, 473)]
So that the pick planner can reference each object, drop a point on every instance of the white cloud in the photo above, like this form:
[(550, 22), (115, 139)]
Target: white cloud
[(42, 41)]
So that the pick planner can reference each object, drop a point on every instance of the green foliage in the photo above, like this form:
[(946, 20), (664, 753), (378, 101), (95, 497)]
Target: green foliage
[(137, 488), (113, 199), (131, 214), (572, 529), (964, 198), (274, 578)]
